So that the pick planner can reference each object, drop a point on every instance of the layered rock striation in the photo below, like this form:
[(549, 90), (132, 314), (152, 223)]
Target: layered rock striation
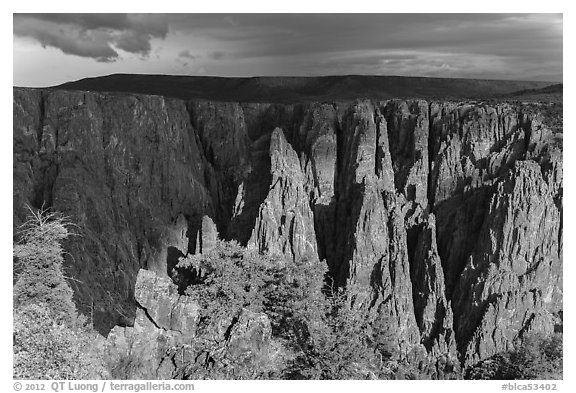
[(443, 218)]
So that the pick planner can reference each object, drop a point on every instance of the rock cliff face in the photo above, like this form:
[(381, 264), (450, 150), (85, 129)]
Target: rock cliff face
[(285, 225), (164, 343), (130, 173), (445, 218)]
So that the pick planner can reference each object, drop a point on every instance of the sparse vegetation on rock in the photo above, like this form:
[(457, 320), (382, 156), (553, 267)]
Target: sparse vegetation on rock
[(537, 357), (51, 341)]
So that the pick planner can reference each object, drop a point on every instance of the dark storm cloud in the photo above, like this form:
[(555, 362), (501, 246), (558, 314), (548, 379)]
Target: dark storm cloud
[(480, 45), (70, 41), (93, 35), (134, 42), (154, 24)]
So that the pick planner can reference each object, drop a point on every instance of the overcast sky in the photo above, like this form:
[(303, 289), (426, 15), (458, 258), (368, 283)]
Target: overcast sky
[(50, 49)]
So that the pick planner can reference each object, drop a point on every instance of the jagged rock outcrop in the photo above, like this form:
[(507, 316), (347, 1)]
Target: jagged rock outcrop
[(207, 236), (164, 342), (444, 217), (473, 145), (164, 321), (371, 252), (158, 300), (480, 152), (285, 225), (432, 309), (317, 136), (222, 132), (513, 279), (408, 136)]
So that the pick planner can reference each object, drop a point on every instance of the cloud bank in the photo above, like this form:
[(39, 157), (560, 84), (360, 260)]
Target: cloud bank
[(97, 36), (491, 46)]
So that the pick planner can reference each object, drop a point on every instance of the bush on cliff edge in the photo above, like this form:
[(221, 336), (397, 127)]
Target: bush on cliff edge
[(323, 337), (538, 357), (50, 339)]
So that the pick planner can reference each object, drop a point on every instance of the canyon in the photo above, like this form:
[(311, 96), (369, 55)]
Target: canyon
[(443, 215)]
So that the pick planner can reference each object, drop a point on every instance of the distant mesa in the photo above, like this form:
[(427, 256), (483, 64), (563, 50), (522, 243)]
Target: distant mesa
[(304, 89)]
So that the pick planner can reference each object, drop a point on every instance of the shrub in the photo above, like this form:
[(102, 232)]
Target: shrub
[(51, 341), (226, 280), (38, 258), (46, 348), (338, 342), (322, 335), (539, 357)]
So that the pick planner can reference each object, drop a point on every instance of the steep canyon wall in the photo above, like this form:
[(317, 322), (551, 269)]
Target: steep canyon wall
[(445, 217)]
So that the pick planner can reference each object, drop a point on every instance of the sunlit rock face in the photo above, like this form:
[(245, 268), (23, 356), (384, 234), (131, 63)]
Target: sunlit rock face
[(285, 224), (445, 218), (163, 343)]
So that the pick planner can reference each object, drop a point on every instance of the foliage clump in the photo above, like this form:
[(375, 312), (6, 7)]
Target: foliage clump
[(322, 335), (51, 341), (538, 357), (46, 348), (38, 265)]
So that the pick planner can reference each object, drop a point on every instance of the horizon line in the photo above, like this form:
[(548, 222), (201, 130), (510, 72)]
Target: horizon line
[(293, 76)]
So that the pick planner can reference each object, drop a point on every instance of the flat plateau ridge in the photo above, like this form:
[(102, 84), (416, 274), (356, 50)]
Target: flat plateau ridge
[(445, 214), (304, 89)]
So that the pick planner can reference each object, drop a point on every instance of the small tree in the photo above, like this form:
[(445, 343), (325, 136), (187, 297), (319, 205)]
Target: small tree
[(330, 337), (339, 340), (38, 261), (50, 340), (322, 335), (225, 280)]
